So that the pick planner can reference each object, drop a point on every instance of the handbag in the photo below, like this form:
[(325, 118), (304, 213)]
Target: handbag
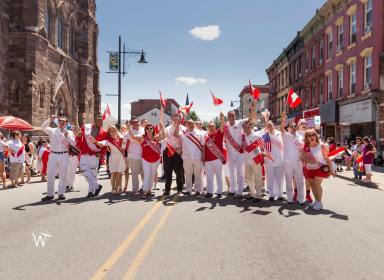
[(73, 151)]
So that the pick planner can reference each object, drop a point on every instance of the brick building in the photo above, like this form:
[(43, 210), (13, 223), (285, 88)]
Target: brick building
[(48, 50), (336, 65)]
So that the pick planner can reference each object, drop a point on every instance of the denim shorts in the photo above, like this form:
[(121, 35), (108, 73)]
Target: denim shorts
[(1, 157)]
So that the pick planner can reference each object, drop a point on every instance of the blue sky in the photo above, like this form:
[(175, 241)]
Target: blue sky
[(245, 38)]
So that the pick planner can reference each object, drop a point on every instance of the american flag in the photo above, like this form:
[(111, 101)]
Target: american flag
[(267, 142)]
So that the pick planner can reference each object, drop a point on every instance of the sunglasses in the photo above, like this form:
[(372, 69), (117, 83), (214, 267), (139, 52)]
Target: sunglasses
[(135, 122), (149, 128)]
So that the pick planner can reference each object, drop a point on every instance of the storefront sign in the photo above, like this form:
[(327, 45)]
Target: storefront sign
[(311, 113), (357, 112), (328, 112)]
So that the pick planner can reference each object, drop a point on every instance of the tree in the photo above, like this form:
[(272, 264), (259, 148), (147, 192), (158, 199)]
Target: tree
[(193, 116)]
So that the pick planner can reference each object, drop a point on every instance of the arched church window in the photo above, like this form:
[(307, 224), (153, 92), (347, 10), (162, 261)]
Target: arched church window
[(41, 95)]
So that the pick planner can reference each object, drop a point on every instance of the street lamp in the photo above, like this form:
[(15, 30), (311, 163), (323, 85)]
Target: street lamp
[(117, 69)]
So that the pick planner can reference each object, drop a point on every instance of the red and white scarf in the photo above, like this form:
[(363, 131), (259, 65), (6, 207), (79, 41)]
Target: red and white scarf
[(231, 141), (90, 139), (117, 143), (19, 152), (193, 139), (153, 146), (212, 147)]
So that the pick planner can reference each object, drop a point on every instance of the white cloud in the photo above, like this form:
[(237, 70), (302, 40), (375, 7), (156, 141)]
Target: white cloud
[(206, 33), (191, 80)]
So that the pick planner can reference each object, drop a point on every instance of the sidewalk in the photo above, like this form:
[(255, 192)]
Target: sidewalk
[(377, 177)]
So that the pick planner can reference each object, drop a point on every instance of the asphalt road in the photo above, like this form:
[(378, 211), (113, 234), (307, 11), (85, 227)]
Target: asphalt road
[(181, 237)]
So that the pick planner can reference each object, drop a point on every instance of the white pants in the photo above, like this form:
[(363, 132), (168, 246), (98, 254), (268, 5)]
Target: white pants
[(57, 164), (236, 173), (136, 168), (274, 176), (214, 168), (88, 166), (73, 164), (149, 169), (254, 177), (294, 172), (193, 167)]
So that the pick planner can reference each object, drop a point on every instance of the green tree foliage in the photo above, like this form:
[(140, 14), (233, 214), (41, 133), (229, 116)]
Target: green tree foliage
[(193, 116)]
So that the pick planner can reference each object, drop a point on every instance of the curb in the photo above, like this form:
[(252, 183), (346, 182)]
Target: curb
[(372, 185)]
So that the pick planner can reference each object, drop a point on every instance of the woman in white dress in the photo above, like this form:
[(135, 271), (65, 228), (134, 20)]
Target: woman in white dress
[(116, 160)]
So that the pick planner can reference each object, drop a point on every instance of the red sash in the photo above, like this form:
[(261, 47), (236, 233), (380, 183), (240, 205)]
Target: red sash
[(170, 150), (19, 152), (212, 147), (194, 140), (89, 138), (232, 141), (116, 143), (308, 152), (153, 146)]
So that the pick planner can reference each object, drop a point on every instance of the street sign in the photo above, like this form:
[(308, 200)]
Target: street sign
[(114, 61)]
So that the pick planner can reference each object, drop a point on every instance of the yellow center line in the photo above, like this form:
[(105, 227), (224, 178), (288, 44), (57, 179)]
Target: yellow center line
[(132, 270), (104, 269)]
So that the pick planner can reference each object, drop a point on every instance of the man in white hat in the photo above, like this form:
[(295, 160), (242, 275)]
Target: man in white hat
[(58, 160)]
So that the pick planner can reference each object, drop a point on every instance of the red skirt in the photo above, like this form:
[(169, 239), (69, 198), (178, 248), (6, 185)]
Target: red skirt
[(312, 173)]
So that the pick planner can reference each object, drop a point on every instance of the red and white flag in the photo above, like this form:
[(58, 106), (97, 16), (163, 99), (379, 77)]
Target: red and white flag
[(163, 101), (107, 113), (254, 91), (293, 99), (216, 101), (336, 153), (185, 109)]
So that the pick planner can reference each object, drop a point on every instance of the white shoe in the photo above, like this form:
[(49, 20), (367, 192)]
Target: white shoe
[(318, 206)]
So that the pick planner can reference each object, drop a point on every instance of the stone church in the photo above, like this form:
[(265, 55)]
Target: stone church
[(48, 59)]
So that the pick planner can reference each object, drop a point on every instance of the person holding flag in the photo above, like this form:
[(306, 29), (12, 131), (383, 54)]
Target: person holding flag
[(214, 158), (233, 132), (90, 153), (317, 165), (293, 167), (172, 160), (192, 142), (254, 161)]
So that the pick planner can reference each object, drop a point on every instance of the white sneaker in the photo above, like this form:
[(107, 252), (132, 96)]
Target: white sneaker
[(318, 206)]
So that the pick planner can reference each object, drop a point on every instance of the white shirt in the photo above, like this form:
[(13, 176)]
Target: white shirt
[(170, 134), (57, 137), (15, 145), (1, 146), (249, 139), (292, 148), (190, 150), (300, 136), (236, 131), (276, 149), (135, 151)]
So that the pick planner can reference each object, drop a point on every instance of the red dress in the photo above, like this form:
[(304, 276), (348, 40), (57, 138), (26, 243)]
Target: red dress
[(151, 150)]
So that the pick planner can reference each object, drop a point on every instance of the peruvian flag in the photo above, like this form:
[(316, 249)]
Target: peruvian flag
[(216, 101), (107, 113), (185, 109), (254, 91), (336, 153), (293, 99), (163, 101)]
